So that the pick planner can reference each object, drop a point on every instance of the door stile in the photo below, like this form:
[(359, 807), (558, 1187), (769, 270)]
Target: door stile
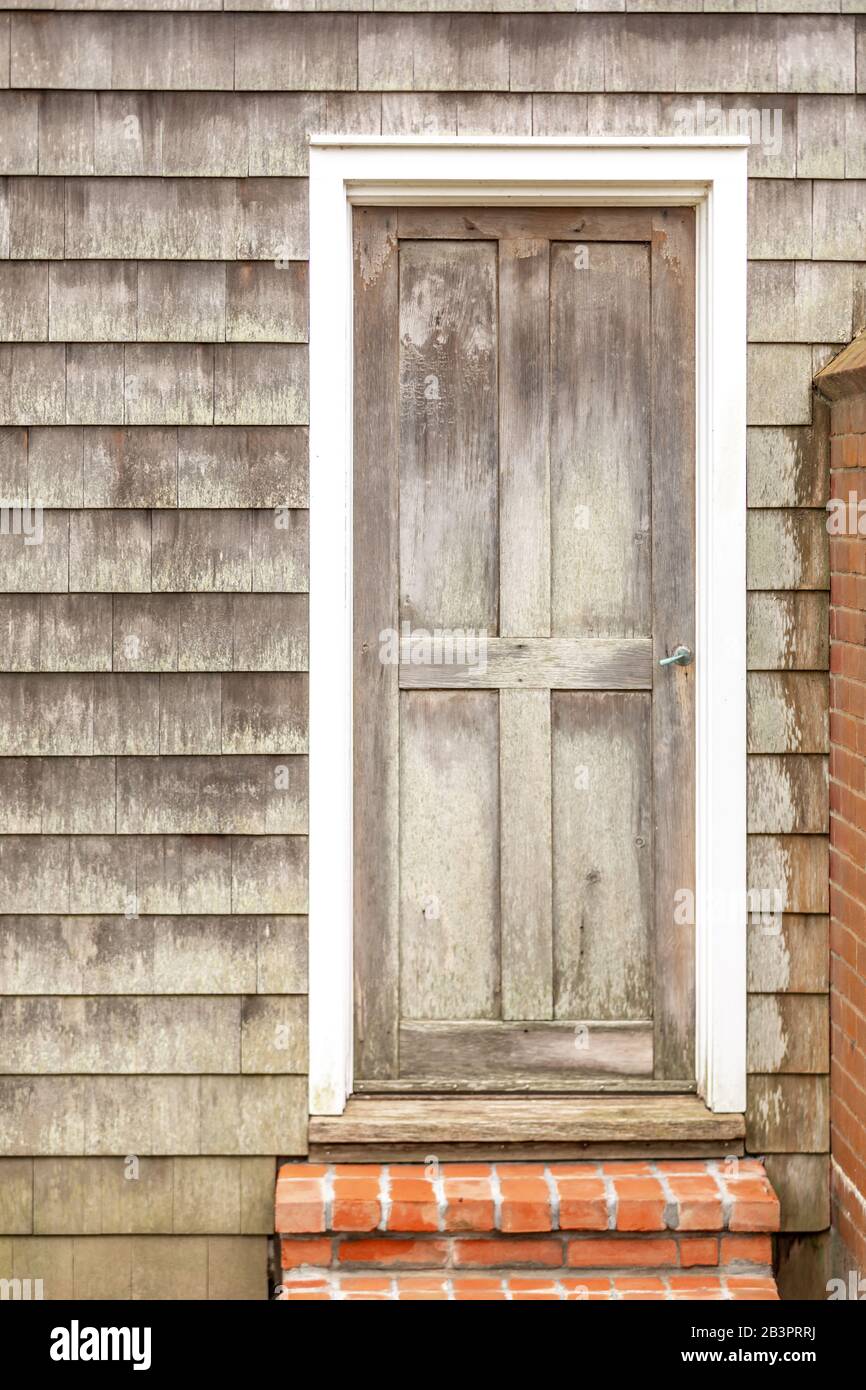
[(375, 719), (526, 848), (673, 597)]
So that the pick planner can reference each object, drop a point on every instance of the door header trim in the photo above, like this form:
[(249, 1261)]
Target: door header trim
[(711, 175), (531, 142)]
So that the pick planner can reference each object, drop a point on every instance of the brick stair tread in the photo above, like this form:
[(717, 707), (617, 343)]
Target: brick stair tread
[(512, 1285), (667, 1230), (500, 1199)]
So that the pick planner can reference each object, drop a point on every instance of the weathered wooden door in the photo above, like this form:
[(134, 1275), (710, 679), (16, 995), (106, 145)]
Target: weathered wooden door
[(524, 558)]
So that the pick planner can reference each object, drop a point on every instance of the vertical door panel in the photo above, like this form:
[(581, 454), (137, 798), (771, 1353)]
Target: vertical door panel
[(600, 440), (449, 854), (449, 493), (602, 856), (524, 437)]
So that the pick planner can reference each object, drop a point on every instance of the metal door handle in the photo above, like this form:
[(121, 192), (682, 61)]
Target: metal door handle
[(683, 656)]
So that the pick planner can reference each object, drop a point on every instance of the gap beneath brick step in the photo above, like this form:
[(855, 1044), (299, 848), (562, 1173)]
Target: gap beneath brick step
[(508, 1286)]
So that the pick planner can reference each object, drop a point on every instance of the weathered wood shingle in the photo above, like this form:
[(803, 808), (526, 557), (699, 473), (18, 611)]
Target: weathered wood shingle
[(153, 874), (839, 219), (108, 1115), (800, 301), (153, 955), (211, 795), (790, 466), (174, 219), (294, 53), (779, 384), (462, 53), (19, 124)]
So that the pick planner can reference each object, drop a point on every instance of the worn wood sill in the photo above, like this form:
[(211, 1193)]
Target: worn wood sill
[(395, 1128)]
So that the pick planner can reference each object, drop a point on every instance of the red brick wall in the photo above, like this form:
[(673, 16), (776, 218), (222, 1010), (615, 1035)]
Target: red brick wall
[(848, 829)]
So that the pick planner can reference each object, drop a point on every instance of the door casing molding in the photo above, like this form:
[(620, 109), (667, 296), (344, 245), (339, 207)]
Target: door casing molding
[(709, 174)]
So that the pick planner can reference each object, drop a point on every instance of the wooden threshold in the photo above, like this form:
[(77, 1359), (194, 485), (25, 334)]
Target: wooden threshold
[(395, 1128), (538, 1083)]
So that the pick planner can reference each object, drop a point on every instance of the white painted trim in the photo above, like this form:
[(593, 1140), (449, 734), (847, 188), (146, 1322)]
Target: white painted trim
[(711, 175), (531, 142)]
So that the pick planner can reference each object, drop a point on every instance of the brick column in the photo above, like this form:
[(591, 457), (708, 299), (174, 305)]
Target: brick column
[(845, 382)]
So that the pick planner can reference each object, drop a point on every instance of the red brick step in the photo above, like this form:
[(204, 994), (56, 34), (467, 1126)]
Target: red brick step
[(673, 1229)]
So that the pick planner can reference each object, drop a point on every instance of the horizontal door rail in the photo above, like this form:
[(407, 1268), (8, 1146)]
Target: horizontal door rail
[(540, 663)]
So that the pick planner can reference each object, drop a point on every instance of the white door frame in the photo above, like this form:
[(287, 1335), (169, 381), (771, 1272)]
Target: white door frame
[(709, 174)]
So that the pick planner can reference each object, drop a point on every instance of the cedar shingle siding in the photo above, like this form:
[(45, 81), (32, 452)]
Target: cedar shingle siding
[(153, 701)]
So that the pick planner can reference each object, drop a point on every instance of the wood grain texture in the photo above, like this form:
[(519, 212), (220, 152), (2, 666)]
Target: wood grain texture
[(448, 435), (526, 854), (105, 1115), (590, 663), (91, 1196), (117, 1035), (462, 53), (788, 795), (673, 606), (789, 1033), (376, 607), (802, 1184), (449, 855), (524, 444), (788, 1114), (153, 874), (212, 795), (526, 1084), (501, 1051), (369, 1120), (171, 219), (790, 467), (837, 219), (32, 225), (779, 384), (602, 856), (794, 868), (24, 302), (178, 300), (552, 224), (210, 632), (106, 955), (255, 384), (788, 549), (800, 302), (600, 442), (549, 53), (780, 223), (790, 954), (298, 52), (788, 631), (788, 712)]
